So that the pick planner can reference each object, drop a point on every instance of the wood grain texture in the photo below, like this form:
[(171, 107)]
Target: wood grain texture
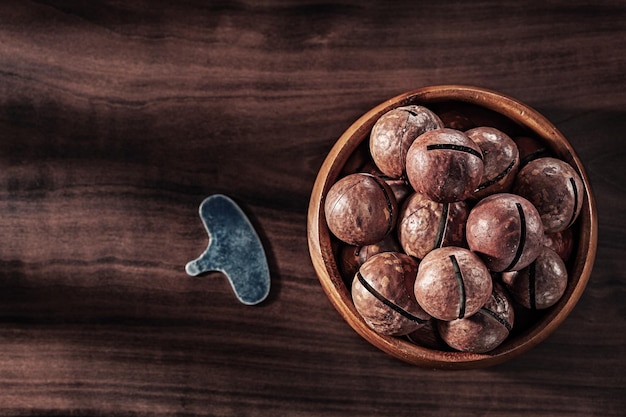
[(118, 118)]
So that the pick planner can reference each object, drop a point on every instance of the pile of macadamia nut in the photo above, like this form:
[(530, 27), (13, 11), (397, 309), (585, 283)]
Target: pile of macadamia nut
[(453, 227)]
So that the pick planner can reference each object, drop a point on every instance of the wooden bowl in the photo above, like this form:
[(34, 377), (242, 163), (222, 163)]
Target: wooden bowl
[(488, 108)]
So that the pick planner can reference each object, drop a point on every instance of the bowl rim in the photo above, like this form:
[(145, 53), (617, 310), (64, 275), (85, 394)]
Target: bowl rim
[(324, 263)]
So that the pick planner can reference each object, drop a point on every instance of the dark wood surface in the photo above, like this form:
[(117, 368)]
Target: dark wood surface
[(118, 118)]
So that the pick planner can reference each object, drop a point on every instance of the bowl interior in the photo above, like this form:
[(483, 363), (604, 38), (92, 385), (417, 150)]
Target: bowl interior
[(486, 108)]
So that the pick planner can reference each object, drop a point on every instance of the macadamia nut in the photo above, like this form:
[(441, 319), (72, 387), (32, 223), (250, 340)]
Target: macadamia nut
[(483, 331), (360, 209), (445, 165), (500, 159), (393, 134), (382, 294), (425, 225), (541, 284), (505, 230), (452, 283), (555, 188)]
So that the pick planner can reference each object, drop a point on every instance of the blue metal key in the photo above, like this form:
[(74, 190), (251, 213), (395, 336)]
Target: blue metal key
[(234, 249)]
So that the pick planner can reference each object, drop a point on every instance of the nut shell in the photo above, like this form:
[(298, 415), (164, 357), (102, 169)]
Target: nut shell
[(352, 257), (505, 230), (555, 188), (427, 336), (394, 132), (530, 149), (452, 283), (400, 187), (500, 159), (383, 296), (425, 225), (360, 209), (485, 330), (445, 165), (560, 242), (541, 284)]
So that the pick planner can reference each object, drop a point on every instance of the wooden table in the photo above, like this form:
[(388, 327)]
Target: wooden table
[(117, 120)]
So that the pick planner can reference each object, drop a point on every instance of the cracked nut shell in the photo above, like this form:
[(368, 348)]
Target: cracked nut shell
[(360, 209), (452, 283), (382, 294), (500, 159), (424, 225), (555, 188), (505, 230), (485, 330), (541, 284), (394, 132), (445, 165)]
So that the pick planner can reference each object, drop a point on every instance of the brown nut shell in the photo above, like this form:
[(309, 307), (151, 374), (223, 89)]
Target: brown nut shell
[(424, 225), (352, 257), (500, 159), (427, 336), (541, 284), (452, 283), (485, 330), (561, 242), (555, 188), (505, 230), (360, 209), (530, 149), (382, 294), (394, 132), (445, 165), (400, 187)]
